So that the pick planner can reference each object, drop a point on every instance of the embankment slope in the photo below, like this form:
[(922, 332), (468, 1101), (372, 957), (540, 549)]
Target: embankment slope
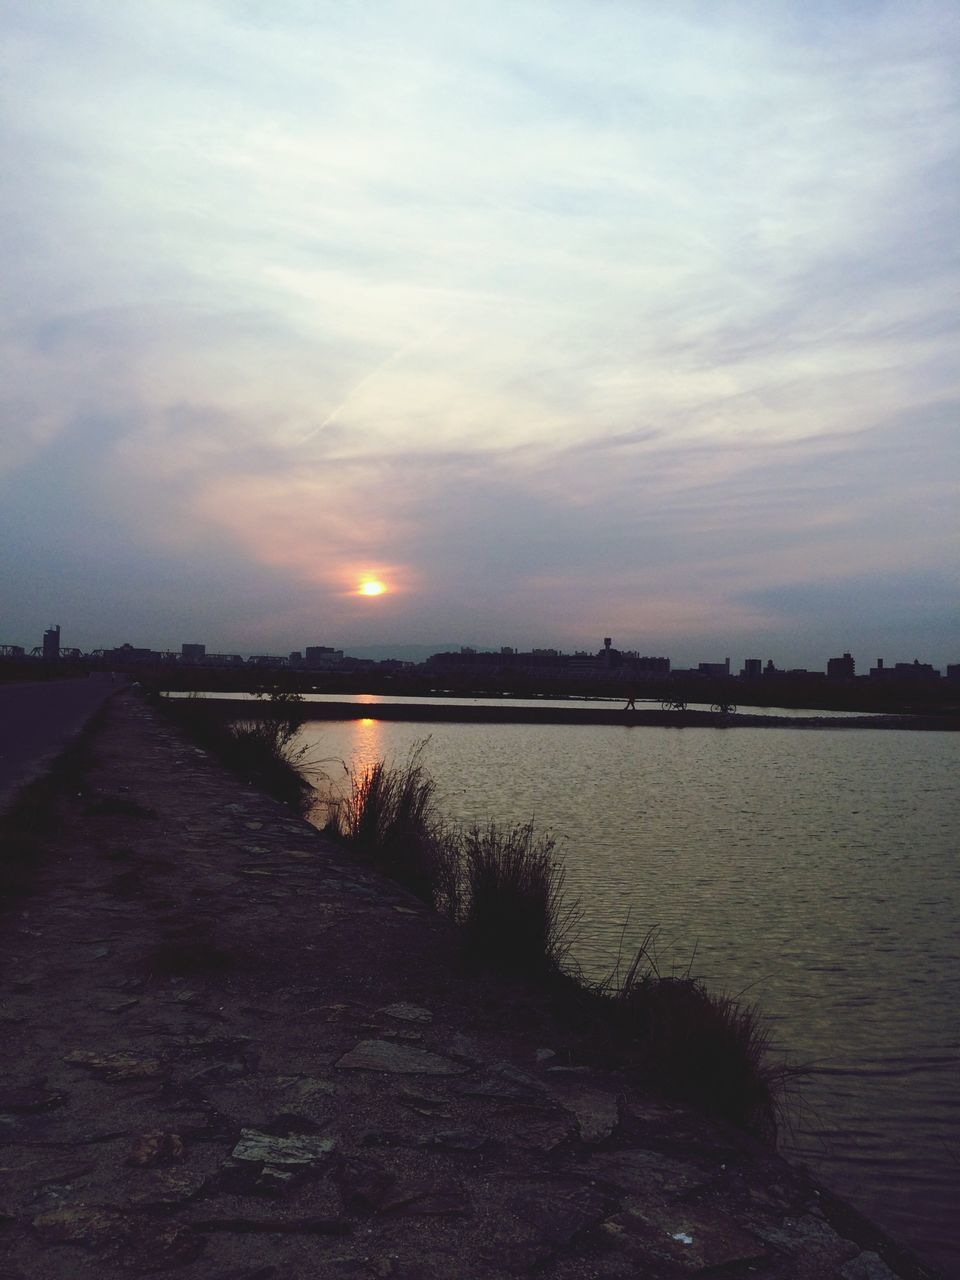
[(230, 1052)]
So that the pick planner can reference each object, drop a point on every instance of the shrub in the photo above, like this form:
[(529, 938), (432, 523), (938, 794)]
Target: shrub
[(262, 751), (687, 1043), (514, 915), (390, 817)]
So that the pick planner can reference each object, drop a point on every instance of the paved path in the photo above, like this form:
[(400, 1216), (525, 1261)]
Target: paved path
[(228, 1052), (577, 714), (38, 719)]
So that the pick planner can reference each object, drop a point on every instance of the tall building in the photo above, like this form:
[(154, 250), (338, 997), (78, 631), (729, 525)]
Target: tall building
[(193, 652), (714, 668), (318, 656), (51, 644), (841, 668)]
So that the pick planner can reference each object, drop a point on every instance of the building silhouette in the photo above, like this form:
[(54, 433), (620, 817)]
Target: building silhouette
[(51, 644), (841, 668)]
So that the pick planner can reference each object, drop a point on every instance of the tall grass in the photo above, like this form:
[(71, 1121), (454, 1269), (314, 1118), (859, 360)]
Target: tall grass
[(505, 889), (261, 750), (390, 816), (502, 885), (685, 1042), (513, 911)]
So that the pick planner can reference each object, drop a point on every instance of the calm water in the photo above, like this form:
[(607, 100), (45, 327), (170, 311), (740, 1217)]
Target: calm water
[(814, 871)]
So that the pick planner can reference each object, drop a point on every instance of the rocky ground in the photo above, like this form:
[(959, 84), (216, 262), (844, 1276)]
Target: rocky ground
[(231, 1053)]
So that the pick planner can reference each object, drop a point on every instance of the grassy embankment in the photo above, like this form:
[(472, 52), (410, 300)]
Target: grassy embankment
[(504, 888), (260, 750)]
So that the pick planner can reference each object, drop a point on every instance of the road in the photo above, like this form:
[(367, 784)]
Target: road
[(38, 719)]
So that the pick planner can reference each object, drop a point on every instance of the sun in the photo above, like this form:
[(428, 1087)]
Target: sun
[(372, 587)]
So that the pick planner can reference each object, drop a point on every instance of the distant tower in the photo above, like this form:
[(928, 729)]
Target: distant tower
[(51, 644), (607, 642)]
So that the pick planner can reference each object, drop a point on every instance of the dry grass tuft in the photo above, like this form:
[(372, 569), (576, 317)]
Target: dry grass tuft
[(390, 817), (513, 913)]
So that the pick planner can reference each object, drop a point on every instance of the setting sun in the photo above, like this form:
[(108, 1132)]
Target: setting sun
[(372, 588)]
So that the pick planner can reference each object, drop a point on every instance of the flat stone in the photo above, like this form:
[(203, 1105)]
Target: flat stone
[(465, 1048), (365, 1185), (809, 1237), (533, 1221), (119, 1006), (542, 1135), (156, 1147), (274, 1225), (299, 1149), (455, 1140), (692, 1239), (143, 1245), (509, 1082), (441, 1201), (401, 1059), (440, 1140), (417, 1099), (115, 1066), (81, 1225), (595, 1110), (160, 1188), (64, 1177), (407, 1012), (29, 1099), (306, 1088), (867, 1266), (644, 1173), (368, 1187)]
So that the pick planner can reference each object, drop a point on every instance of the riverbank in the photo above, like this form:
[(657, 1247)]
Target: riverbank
[(232, 1052), (510, 713)]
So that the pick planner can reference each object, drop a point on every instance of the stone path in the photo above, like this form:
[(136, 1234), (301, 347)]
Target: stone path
[(231, 1053)]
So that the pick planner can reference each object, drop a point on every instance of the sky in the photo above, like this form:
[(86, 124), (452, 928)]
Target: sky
[(561, 320)]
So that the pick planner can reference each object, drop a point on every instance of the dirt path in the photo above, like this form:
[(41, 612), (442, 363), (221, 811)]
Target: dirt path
[(232, 1054)]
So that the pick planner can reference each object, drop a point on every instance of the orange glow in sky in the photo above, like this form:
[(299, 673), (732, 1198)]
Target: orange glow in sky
[(372, 587)]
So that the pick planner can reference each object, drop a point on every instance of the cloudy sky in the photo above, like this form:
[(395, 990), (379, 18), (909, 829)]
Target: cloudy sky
[(561, 319)]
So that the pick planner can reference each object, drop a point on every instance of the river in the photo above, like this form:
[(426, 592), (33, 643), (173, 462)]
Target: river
[(813, 872)]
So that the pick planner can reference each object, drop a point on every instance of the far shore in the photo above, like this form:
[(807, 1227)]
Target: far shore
[(509, 713)]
